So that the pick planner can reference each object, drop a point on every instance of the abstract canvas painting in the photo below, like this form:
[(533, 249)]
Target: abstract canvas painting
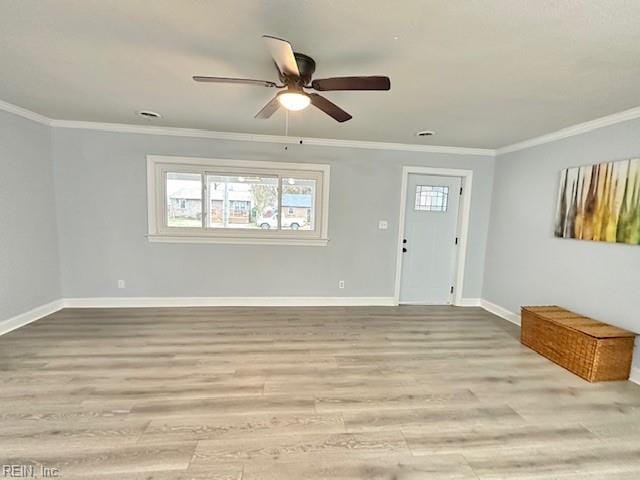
[(600, 202)]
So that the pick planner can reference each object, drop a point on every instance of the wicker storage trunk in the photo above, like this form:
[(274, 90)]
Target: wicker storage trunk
[(593, 350)]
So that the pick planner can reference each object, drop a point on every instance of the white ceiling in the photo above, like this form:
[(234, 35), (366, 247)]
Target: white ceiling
[(481, 73)]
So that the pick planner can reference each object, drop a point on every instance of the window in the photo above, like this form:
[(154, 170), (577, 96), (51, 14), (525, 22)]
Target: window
[(237, 201), (298, 199), (240, 201), (184, 200), (431, 198)]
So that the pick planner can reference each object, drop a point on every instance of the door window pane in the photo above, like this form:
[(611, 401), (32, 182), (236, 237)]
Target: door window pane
[(184, 200), (431, 198), (242, 201), (298, 204)]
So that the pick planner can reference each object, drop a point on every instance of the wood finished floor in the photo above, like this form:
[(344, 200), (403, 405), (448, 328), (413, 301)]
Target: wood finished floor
[(376, 393)]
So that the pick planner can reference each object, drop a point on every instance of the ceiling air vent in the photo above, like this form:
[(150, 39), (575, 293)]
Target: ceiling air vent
[(425, 133), (148, 114)]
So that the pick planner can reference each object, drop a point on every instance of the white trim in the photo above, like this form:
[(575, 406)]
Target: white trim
[(116, 302), (156, 213), (255, 137), (469, 302), (303, 242), (231, 162), (577, 129), (634, 375), (463, 222), (237, 136), (23, 112), (500, 311), (32, 315)]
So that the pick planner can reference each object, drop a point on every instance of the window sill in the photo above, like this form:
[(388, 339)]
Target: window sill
[(309, 242)]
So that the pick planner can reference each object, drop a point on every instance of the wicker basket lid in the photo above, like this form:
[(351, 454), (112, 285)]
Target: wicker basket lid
[(580, 323)]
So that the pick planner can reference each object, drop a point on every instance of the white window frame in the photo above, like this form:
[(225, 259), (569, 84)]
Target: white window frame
[(158, 166)]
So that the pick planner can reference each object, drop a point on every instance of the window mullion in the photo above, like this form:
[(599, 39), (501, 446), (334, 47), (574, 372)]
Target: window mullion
[(206, 204), (279, 203), (162, 199)]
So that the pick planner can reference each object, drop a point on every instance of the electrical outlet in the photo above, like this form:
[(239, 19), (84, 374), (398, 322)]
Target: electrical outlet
[(383, 224), (341, 284), (122, 284)]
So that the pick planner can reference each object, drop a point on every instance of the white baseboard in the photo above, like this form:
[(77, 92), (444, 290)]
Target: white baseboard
[(500, 311), (32, 315), (37, 313), (463, 302), (115, 302), (634, 376), (469, 302)]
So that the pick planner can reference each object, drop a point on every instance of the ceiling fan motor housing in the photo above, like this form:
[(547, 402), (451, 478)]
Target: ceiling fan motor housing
[(306, 66)]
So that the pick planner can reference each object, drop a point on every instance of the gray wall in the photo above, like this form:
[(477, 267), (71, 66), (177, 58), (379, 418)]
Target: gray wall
[(525, 264), (101, 196), (29, 267)]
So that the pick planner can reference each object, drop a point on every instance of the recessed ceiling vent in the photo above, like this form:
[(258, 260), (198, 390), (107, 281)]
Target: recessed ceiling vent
[(148, 114), (425, 133)]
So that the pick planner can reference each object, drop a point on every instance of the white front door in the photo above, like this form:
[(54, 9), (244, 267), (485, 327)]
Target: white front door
[(429, 243)]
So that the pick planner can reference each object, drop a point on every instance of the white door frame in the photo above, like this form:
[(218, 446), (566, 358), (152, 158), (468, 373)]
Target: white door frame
[(463, 224)]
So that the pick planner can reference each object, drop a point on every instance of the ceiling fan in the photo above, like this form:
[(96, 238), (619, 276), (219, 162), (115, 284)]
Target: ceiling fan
[(295, 71)]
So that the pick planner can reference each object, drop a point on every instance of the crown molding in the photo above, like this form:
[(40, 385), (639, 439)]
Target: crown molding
[(573, 130), (24, 113), (630, 114), (255, 137), (238, 137)]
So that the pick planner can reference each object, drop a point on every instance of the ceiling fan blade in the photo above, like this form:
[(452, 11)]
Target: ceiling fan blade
[(352, 83), (269, 109), (239, 81), (282, 54), (329, 108)]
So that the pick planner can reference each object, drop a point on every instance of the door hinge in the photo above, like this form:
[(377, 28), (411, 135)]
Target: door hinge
[(452, 289), (456, 240), (460, 190)]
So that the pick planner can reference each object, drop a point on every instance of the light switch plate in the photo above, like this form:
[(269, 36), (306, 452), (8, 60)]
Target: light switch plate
[(383, 224)]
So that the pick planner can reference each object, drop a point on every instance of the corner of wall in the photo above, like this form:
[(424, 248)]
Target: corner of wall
[(54, 202), (485, 269), (31, 239), (500, 311)]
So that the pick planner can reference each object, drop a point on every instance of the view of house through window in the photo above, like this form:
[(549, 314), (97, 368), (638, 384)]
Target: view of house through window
[(235, 201), (298, 196), (184, 200), (239, 202)]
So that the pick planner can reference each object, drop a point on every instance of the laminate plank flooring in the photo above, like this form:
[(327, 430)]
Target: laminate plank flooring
[(346, 393)]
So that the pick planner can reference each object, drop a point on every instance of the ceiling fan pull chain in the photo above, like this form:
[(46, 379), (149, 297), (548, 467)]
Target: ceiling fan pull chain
[(286, 123)]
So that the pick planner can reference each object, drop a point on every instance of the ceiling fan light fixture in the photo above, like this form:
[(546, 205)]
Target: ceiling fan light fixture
[(294, 101)]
